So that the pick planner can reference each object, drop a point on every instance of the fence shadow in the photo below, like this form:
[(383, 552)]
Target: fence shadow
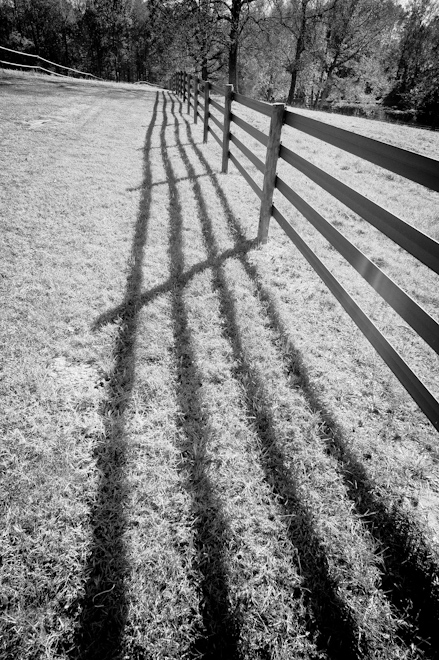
[(220, 634), (410, 575), (104, 606), (218, 637), (337, 632)]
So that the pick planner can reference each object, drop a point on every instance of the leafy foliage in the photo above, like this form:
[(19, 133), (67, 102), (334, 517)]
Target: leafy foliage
[(307, 52)]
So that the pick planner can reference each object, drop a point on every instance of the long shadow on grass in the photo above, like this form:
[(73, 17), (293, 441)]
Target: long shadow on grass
[(218, 639), (160, 183), (410, 575), (337, 632), (104, 607)]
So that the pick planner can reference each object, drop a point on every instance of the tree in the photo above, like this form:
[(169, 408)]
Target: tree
[(354, 29), (203, 37), (40, 24), (210, 34), (262, 48), (416, 84), (300, 19), (235, 14), (105, 33)]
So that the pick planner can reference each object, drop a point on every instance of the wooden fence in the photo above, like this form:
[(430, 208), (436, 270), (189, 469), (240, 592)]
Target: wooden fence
[(420, 169), (8, 55)]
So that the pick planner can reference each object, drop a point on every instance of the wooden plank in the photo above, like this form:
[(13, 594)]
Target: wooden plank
[(218, 139), (408, 164), (226, 131), (251, 130), (257, 162), (217, 106), (411, 239), (404, 305), (251, 182), (216, 121), (34, 67), (200, 105), (42, 59), (276, 123), (218, 89), (414, 386), (259, 106)]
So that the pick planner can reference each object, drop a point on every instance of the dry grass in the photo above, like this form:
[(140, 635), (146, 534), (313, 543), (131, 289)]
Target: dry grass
[(197, 457)]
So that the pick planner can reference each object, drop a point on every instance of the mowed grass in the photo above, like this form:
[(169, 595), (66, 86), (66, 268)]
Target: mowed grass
[(201, 455)]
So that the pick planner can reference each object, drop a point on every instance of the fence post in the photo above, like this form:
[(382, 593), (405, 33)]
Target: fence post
[(195, 99), (273, 147), (184, 85), (226, 134), (189, 93), (206, 110)]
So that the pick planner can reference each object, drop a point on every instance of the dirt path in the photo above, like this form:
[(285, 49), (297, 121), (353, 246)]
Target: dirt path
[(224, 511)]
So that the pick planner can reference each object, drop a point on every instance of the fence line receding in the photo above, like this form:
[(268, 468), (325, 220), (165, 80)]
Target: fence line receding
[(419, 169), (6, 53)]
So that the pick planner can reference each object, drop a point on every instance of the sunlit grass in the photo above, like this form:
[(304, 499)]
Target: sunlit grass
[(202, 456)]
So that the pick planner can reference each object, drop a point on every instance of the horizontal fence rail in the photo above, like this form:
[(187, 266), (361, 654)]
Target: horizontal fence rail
[(419, 169), (215, 136), (252, 183), (216, 121), (406, 307), (41, 59), (251, 130), (217, 89), (418, 244), (257, 162), (33, 67), (391, 357), (217, 106), (259, 106)]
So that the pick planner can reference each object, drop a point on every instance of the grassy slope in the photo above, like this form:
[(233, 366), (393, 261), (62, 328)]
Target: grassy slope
[(197, 457)]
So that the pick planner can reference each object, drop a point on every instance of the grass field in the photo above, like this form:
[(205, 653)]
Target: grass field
[(201, 455)]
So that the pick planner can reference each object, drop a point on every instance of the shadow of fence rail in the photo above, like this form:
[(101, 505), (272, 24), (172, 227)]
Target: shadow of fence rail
[(410, 575)]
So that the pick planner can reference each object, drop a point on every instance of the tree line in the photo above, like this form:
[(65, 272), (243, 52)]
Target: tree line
[(321, 53)]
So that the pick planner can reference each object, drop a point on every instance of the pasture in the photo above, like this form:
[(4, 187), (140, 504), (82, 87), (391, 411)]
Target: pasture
[(201, 455)]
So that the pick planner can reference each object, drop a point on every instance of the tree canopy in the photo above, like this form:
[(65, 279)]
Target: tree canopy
[(315, 52)]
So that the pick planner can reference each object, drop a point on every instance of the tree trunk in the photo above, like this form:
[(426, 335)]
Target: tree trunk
[(326, 87), (235, 13), (233, 66), (205, 43), (66, 48), (204, 72), (300, 48), (292, 90)]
